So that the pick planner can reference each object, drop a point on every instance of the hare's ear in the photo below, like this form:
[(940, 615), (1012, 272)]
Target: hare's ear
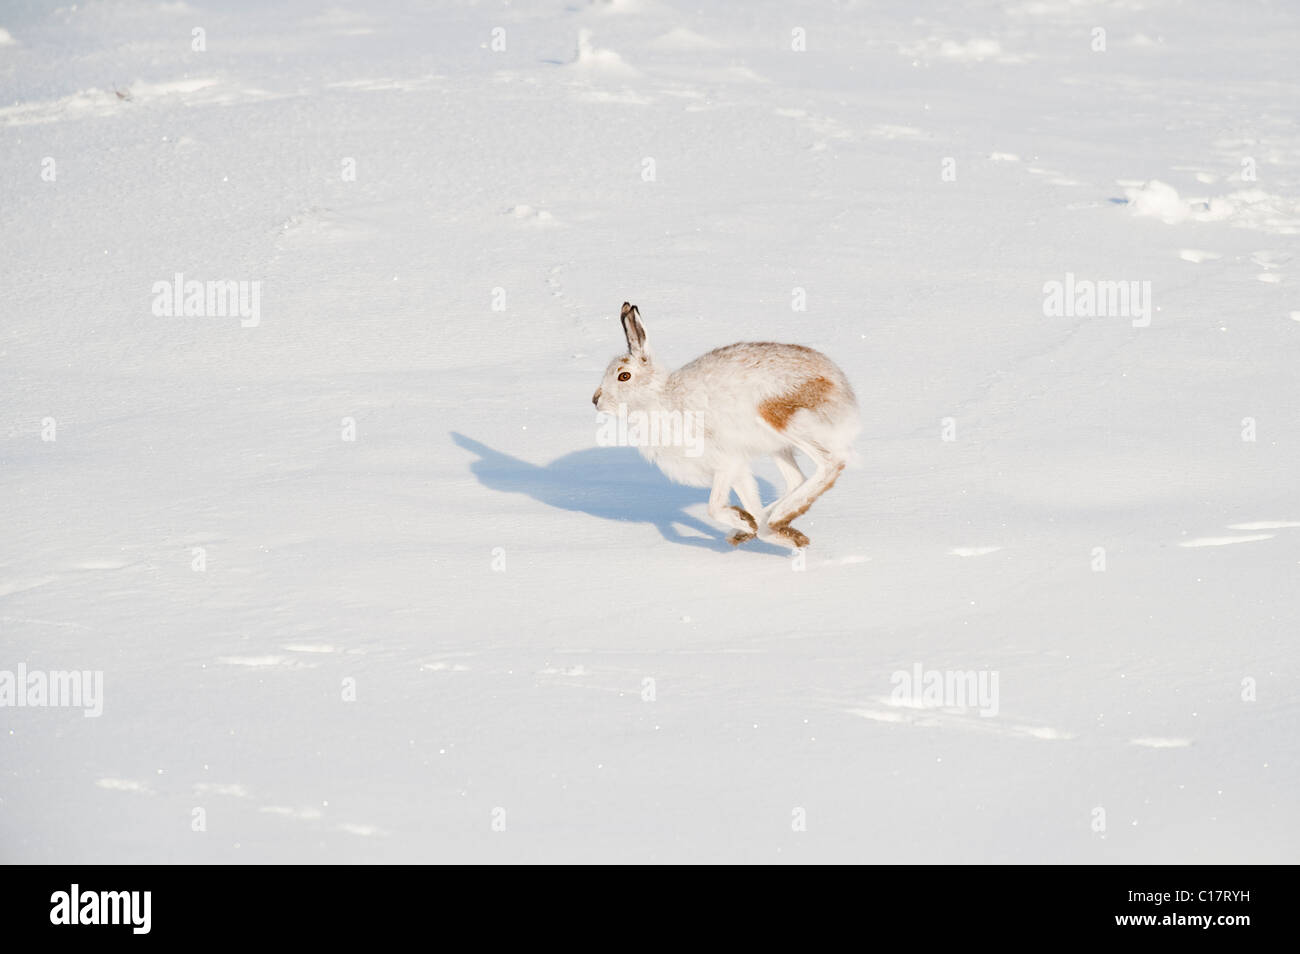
[(635, 332)]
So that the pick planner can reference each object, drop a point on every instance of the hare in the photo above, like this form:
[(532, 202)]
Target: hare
[(739, 402)]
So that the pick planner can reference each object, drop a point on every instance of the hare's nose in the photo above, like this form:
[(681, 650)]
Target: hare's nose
[(595, 398)]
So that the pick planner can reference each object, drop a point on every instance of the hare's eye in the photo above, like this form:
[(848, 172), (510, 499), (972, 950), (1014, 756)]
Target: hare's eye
[(625, 376)]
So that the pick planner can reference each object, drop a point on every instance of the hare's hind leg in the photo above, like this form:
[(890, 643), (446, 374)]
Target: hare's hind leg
[(789, 469), (793, 478), (776, 524), (742, 521)]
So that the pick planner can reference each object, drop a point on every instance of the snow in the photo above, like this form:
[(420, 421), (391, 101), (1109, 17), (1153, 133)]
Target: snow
[(1248, 208), (361, 583)]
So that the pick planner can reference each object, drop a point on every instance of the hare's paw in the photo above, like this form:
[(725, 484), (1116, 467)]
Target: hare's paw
[(786, 536), (746, 516), (741, 521)]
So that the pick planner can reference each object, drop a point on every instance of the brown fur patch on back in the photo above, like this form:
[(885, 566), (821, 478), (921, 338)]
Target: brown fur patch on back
[(813, 393)]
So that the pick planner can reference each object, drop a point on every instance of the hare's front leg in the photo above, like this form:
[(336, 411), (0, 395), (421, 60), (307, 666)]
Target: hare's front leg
[(742, 521)]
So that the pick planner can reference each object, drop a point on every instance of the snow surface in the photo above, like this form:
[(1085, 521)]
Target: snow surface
[(503, 595)]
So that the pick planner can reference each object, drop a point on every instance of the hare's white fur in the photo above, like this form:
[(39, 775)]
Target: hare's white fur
[(745, 401)]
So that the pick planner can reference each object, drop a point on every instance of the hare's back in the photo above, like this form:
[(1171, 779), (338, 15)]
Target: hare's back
[(762, 369)]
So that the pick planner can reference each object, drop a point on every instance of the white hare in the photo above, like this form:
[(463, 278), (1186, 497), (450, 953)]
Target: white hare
[(740, 402)]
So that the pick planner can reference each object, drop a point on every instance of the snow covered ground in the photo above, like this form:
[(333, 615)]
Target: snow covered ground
[(363, 587)]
